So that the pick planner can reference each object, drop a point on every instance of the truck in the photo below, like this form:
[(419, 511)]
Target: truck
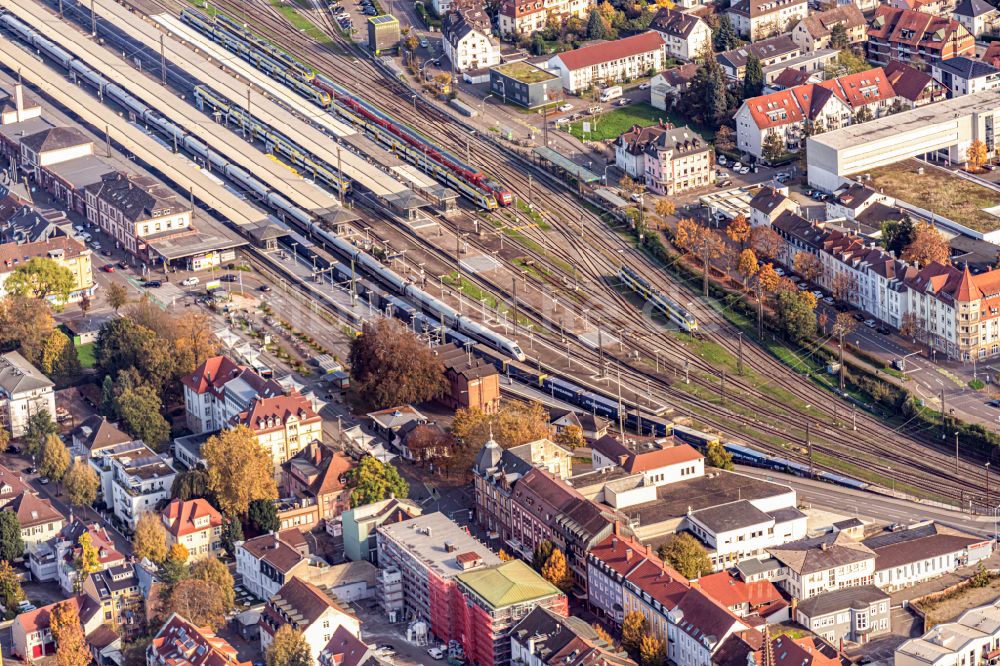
[(608, 94)]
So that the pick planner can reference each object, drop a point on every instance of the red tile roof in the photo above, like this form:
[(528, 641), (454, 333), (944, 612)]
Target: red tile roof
[(32, 510), (180, 643), (216, 372), (180, 516), (38, 619), (909, 82), (595, 54), (729, 590), (862, 88), (642, 454)]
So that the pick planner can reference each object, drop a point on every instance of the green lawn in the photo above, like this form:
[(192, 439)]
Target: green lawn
[(85, 353), (300, 22), (612, 124)]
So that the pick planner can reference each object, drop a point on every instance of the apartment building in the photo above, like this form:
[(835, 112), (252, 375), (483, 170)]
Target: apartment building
[(525, 17), (359, 526), (775, 55), (814, 32), (676, 161), (194, 524), (64, 252), (139, 479), (132, 209), (759, 598), (977, 16), (24, 391), (466, 46), (815, 565), (39, 520), (545, 638), (418, 562), (54, 560), (307, 609), (283, 424), (963, 75), (855, 614), (739, 530), (268, 561), (970, 639), (922, 552), (630, 149), (117, 592), (915, 37), (219, 390), (181, 643), (95, 435), (318, 475), (760, 19), (608, 63), (685, 36)]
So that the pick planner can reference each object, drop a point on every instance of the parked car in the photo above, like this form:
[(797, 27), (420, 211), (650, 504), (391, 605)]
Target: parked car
[(264, 287), (563, 108), (737, 166), (870, 323), (828, 300), (31, 470), (229, 277), (436, 653), (721, 160), (993, 403), (424, 43), (780, 272), (107, 252), (108, 268), (801, 286), (644, 86), (122, 264), (884, 330), (624, 101), (743, 170), (817, 293), (153, 284), (190, 282), (858, 316), (44, 480)]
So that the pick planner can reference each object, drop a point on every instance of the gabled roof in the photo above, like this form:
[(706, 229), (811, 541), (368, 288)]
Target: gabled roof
[(704, 619), (973, 8), (97, 433), (18, 375), (344, 649), (322, 469), (766, 50), (181, 643), (914, 28), (908, 82), (862, 88), (839, 600), (821, 24), (812, 555), (564, 641), (676, 23), (56, 138), (38, 619), (894, 549), (180, 516), (640, 454), (31, 510), (758, 8), (966, 68), (729, 590), (271, 548), (302, 602), (595, 54)]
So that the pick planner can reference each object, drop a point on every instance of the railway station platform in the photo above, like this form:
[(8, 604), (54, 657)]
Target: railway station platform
[(556, 161)]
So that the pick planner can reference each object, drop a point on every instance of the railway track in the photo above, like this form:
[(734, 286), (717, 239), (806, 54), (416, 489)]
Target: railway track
[(595, 248)]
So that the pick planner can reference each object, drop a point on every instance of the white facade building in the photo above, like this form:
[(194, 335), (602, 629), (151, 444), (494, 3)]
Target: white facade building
[(609, 63), (822, 564), (968, 640), (739, 530), (467, 47), (24, 391), (140, 480)]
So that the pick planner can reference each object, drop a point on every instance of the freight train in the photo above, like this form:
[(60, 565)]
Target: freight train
[(395, 135), (671, 309), (437, 310), (745, 455)]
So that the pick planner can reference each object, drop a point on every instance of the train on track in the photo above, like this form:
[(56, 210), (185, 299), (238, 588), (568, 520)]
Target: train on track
[(437, 311), (670, 308), (745, 455), (390, 132)]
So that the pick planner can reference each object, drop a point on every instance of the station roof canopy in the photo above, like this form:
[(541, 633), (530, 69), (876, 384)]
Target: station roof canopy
[(611, 198), (566, 164)]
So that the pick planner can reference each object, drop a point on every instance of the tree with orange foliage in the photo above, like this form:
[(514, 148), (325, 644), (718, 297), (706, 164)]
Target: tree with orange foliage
[(766, 242), (71, 644), (701, 242), (738, 231), (747, 265), (808, 266), (766, 280), (927, 246)]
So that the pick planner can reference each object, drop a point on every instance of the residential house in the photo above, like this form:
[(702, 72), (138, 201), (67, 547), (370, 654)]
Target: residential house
[(24, 391), (346, 649), (913, 87), (387, 423), (738, 531), (935, 7), (54, 560), (775, 55), (978, 16), (770, 203), (760, 19), (608, 63), (685, 36), (63, 251), (630, 149), (676, 161), (963, 75), (140, 480), (283, 425), (545, 638), (666, 87), (855, 614), (472, 381), (923, 552), (94, 435), (525, 17), (419, 558), (698, 627), (39, 520), (181, 643), (318, 474), (821, 564), (465, 46), (132, 209), (746, 647), (194, 524), (105, 646), (309, 610), (266, 562), (360, 526), (654, 588), (592, 427), (815, 31), (913, 37), (486, 603), (117, 592), (968, 640), (759, 598), (31, 634), (219, 390)]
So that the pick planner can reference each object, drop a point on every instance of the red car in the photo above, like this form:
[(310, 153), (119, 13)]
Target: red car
[(108, 268)]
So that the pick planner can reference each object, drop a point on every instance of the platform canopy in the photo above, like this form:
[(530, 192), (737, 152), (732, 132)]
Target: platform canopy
[(566, 164)]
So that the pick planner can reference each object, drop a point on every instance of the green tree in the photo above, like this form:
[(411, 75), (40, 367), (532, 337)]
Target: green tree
[(67, 630), (232, 531), (54, 460), (557, 571), (724, 36), (796, 311), (190, 484), (538, 44), (716, 99), (11, 593), (214, 571), (116, 296), (373, 481), (108, 397), (838, 37), (123, 344), (41, 278), (634, 627), (40, 427), (240, 470), (753, 78), (150, 538), (541, 554), (25, 323), (392, 366), (651, 651), (263, 515), (11, 543), (289, 648), (773, 147), (863, 115), (81, 484), (597, 28), (686, 555), (139, 410), (897, 234), (717, 456)]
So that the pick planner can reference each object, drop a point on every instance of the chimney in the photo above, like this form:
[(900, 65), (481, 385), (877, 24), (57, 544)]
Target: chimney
[(795, 606), (824, 546), (317, 453), (649, 550), (18, 100), (617, 527), (628, 554)]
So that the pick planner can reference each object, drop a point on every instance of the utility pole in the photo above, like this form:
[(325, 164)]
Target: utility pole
[(944, 419), (514, 283), (107, 141), (340, 172), (529, 189), (687, 377), (600, 349), (739, 360), (545, 125), (93, 20), (163, 66), (809, 446), (722, 385), (956, 452), (854, 417), (841, 361)]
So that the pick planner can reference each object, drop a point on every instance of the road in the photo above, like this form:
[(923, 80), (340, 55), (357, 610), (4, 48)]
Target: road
[(877, 507)]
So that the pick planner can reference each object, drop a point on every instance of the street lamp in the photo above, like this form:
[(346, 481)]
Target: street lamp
[(987, 483)]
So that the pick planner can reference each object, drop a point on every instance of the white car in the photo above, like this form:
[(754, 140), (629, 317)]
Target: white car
[(828, 300), (780, 272), (870, 323), (743, 170), (563, 108), (644, 86), (722, 160), (817, 293), (436, 653), (190, 282), (737, 166)]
